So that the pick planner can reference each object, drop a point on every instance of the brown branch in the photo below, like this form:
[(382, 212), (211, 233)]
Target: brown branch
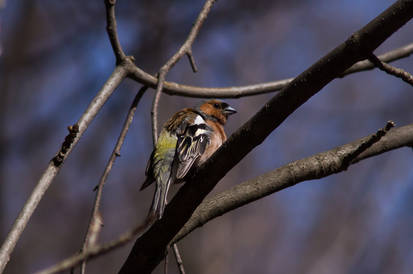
[(149, 249), (51, 171), (96, 218), (186, 48), (172, 88), (191, 60), (368, 143), (111, 28), (314, 167), (398, 72)]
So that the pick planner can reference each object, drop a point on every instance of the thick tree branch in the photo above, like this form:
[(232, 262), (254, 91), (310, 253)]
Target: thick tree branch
[(96, 221), (172, 88), (54, 166), (314, 167), (149, 249), (185, 49), (398, 72), (317, 166)]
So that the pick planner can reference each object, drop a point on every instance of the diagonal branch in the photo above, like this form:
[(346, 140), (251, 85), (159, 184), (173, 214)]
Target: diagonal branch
[(178, 259), (185, 49), (95, 222), (314, 167), (75, 132), (54, 166), (149, 249), (172, 88), (398, 72)]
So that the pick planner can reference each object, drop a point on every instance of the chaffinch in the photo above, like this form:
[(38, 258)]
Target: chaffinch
[(186, 141)]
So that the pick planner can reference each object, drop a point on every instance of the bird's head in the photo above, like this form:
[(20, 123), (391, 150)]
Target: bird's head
[(217, 109)]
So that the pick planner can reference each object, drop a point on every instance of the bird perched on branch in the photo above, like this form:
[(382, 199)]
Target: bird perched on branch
[(187, 140)]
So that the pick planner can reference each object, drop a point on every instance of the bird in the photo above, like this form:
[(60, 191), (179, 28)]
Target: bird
[(186, 141)]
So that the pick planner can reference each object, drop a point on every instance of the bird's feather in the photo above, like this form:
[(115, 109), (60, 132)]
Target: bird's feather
[(190, 146)]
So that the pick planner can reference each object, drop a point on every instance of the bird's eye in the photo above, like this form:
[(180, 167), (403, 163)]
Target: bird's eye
[(216, 105)]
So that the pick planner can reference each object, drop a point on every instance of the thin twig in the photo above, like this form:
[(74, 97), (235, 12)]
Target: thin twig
[(178, 259), (96, 219), (191, 60), (51, 171), (173, 88), (97, 250), (314, 167), (111, 28), (186, 48), (155, 106), (366, 144), (398, 72)]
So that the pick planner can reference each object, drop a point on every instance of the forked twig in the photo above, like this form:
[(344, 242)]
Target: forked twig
[(398, 72), (185, 49)]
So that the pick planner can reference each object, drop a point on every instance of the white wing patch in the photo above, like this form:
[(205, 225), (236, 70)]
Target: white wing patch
[(200, 131), (199, 120)]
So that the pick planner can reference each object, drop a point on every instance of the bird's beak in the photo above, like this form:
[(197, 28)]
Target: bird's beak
[(229, 110)]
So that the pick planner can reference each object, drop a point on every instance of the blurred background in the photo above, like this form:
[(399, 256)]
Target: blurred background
[(55, 56)]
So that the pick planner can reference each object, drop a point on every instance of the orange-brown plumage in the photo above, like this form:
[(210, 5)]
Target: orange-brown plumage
[(186, 141)]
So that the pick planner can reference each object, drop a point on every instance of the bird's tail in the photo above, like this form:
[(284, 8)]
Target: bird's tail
[(159, 199)]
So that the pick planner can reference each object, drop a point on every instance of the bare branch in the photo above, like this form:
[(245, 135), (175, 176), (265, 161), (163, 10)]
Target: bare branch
[(314, 167), (387, 57), (155, 106), (51, 171), (149, 249), (368, 143), (191, 60), (186, 48), (179, 259), (96, 218), (111, 28), (172, 88), (398, 72)]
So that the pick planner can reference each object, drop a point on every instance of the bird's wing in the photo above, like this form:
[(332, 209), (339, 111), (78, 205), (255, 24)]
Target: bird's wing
[(190, 146), (149, 173)]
